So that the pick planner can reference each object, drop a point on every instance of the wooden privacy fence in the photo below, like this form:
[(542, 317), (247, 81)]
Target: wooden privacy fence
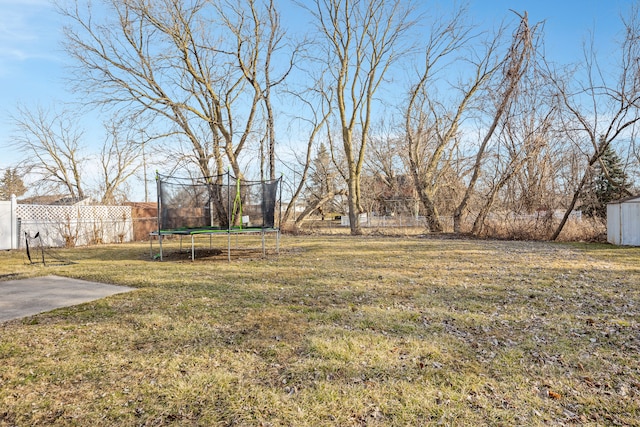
[(145, 219)]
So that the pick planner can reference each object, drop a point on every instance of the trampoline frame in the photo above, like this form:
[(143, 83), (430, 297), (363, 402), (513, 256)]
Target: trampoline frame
[(160, 234)]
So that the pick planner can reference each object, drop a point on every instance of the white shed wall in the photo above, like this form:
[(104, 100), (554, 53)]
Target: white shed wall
[(623, 223), (614, 231), (630, 224)]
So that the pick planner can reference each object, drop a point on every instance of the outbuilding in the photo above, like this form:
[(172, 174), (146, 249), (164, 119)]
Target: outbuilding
[(623, 222)]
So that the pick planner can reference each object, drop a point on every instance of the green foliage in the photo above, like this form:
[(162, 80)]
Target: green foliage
[(11, 183), (609, 182)]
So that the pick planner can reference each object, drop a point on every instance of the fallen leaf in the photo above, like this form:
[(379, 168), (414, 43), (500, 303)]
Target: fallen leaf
[(554, 395)]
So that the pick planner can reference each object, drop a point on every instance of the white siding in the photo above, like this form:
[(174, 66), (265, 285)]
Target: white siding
[(630, 223), (614, 230), (6, 228), (623, 222)]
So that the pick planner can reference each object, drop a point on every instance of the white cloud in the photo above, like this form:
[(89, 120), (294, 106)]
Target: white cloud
[(27, 21), (28, 29), (13, 27), (18, 54)]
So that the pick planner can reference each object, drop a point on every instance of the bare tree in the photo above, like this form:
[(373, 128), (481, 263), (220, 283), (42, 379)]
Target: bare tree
[(387, 183), (56, 154), (537, 139), (259, 37), (519, 143), (360, 40), (119, 160), (51, 143), (198, 65), (514, 66), (316, 120), (599, 111), (431, 124), (524, 132), (319, 184)]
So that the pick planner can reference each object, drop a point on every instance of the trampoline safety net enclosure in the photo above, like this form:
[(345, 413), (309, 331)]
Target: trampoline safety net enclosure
[(220, 204)]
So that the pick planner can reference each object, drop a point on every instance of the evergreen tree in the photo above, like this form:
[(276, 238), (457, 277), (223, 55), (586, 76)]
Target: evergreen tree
[(322, 186), (610, 182), (11, 183), (320, 177)]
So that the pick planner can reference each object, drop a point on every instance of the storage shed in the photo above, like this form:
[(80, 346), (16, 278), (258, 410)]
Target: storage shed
[(623, 222)]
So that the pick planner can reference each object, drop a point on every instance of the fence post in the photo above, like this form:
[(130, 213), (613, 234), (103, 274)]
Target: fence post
[(14, 222)]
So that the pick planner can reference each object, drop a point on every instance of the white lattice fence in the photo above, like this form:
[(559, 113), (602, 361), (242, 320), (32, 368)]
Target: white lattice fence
[(61, 226)]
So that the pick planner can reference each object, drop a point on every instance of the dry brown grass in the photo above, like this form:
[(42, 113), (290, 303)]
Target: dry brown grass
[(500, 227), (335, 331)]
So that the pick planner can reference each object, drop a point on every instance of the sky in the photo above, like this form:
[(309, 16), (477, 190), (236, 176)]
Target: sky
[(33, 64)]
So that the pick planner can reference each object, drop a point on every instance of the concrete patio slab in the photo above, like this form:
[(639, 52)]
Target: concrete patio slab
[(26, 297)]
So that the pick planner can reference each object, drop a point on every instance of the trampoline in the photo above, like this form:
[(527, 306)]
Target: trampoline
[(218, 205)]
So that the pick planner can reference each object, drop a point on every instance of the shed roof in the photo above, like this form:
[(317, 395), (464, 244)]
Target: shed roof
[(631, 199)]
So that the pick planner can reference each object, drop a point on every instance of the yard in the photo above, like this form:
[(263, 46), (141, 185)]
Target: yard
[(334, 331)]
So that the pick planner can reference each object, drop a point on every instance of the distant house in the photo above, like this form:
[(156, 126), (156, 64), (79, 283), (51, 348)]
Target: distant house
[(623, 222), (57, 200)]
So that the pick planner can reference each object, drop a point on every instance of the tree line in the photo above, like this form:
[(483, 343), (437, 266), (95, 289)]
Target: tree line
[(392, 108)]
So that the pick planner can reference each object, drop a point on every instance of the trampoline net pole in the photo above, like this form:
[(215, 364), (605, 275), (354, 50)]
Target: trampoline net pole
[(190, 206), (228, 216), (159, 207)]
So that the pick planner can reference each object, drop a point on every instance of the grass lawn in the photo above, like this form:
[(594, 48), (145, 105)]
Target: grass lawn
[(334, 331)]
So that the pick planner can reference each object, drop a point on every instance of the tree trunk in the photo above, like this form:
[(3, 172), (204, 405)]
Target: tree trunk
[(352, 203), (578, 191), (430, 210), (316, 205)]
